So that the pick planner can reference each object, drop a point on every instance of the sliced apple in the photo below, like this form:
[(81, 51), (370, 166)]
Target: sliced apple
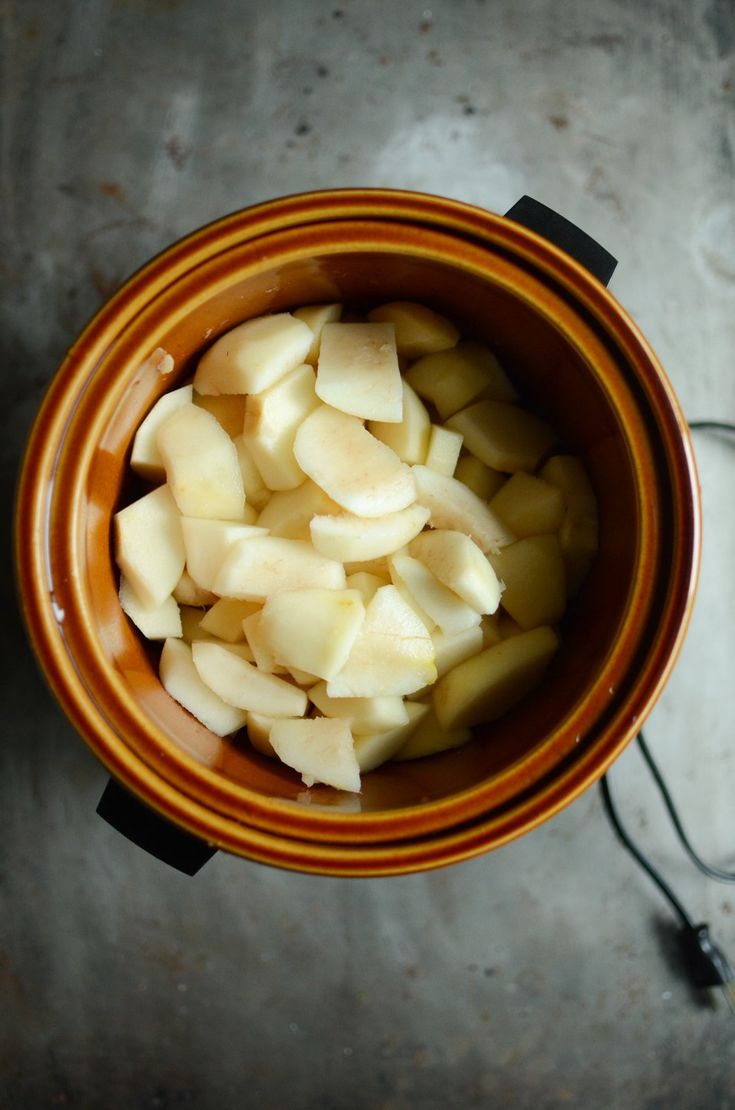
[(201, 464), (191, 620), (579, 531), (366, 715), (358, 371), (443, 451), (243, 685), (460, 564), (228, 409), (392, 654), (503, 436), (357, 471), (484, 687), (320, 750), (262, 655), (375, 748), (429, 738), (156, 622), (254, 355), (260, 566), (419, 330), (271, 421), (452, 379), (187, 592), (181, 679), (409, 438), (146, 458), (351, 538), (259, 732), (452, 505), (149, 546), (454, 649), (257, 493), (445, 607), (532, 571), (367, 584), (225, 618), (207, 544), (480, 478), (316, 316), (289, 512), (529, 505), (312, 629)]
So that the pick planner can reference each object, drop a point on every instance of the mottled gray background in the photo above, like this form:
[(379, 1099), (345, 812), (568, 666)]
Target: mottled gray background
[(540, 976)]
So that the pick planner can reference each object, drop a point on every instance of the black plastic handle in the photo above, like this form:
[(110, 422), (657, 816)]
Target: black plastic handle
[(153, 833), (564, 234)]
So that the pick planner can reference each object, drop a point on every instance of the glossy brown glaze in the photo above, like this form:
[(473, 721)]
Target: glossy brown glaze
[(576, 356)]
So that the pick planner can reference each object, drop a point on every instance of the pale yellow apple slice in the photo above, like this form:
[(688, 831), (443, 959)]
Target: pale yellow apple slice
[(503, 436), (262, 656), (149, 546), (487, 685), (243, 685), (443, 451), (320, 750), (452, 505), (187, 592), (579, 531), (410, 437), (289, 512), (228, 409), (201, 464), (180, 678), (351, 538), (429, 738), (452, 379), (316, 316), (260, 566), (357, 471), (479, 478), (419, 330), (312, 629), (259, 733), (271, 421), (445, 607), (460, 564), (224, 619), (257, 494), (191, 619), (392, 654), (207, 544), (254, 355), (377, 714), (156, 622), (368, 584), (532, 572), (375, 748), (529, 505), (358, 371), (145, 458), (450, 650)]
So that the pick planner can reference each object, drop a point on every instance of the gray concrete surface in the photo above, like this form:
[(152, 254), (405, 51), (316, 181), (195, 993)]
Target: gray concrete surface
[(540, 976)]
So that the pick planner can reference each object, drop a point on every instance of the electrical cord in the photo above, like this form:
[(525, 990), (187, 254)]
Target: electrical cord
[(705, 963)]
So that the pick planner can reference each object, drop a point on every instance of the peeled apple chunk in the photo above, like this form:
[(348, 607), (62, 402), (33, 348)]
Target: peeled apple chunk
[(374, 748), (579, 530), (479, 478), (419, 330), (443, 606), (181, 679), (429, 738), (201, 464), (289, 512), (487, 685), (316, 316), (529, 505), (532, 571), (365, 714), (312, 630), (254, 355), (358, 371), (353, 467), (225, 618), (260, 566), (270, 424), (458, 562), (146, 458), (156, 622), (410, 438), (502, 436), (452, 379), (149, 546), (227, 409), (443, 451), (454, 506), (453, 649), (208, 542), (239, 683), (392, 654), (355, 539), (320, 749)]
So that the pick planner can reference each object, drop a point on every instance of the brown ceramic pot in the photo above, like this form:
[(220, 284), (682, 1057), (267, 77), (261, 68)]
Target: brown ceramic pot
[(573, 351)]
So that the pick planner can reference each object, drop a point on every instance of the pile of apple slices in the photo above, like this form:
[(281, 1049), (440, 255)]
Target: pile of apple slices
[(353, 563)]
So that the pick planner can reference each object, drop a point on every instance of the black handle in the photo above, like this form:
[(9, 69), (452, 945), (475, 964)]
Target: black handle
[(154, 834), (564, 234)]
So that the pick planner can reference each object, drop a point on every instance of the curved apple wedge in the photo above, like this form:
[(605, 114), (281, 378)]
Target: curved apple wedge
[(239, 683), (320, 749)]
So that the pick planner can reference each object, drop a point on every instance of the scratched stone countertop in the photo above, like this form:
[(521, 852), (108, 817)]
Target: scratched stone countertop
[(540, 976)]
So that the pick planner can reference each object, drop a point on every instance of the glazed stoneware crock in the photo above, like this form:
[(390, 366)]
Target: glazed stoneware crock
[(577, 358)]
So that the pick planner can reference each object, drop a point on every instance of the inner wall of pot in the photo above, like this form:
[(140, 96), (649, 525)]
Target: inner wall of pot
[(552, 378)]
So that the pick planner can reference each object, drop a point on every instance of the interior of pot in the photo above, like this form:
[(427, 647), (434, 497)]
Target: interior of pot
[(555, 377)]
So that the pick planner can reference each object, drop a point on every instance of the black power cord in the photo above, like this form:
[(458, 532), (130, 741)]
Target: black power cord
[(705, 963)]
